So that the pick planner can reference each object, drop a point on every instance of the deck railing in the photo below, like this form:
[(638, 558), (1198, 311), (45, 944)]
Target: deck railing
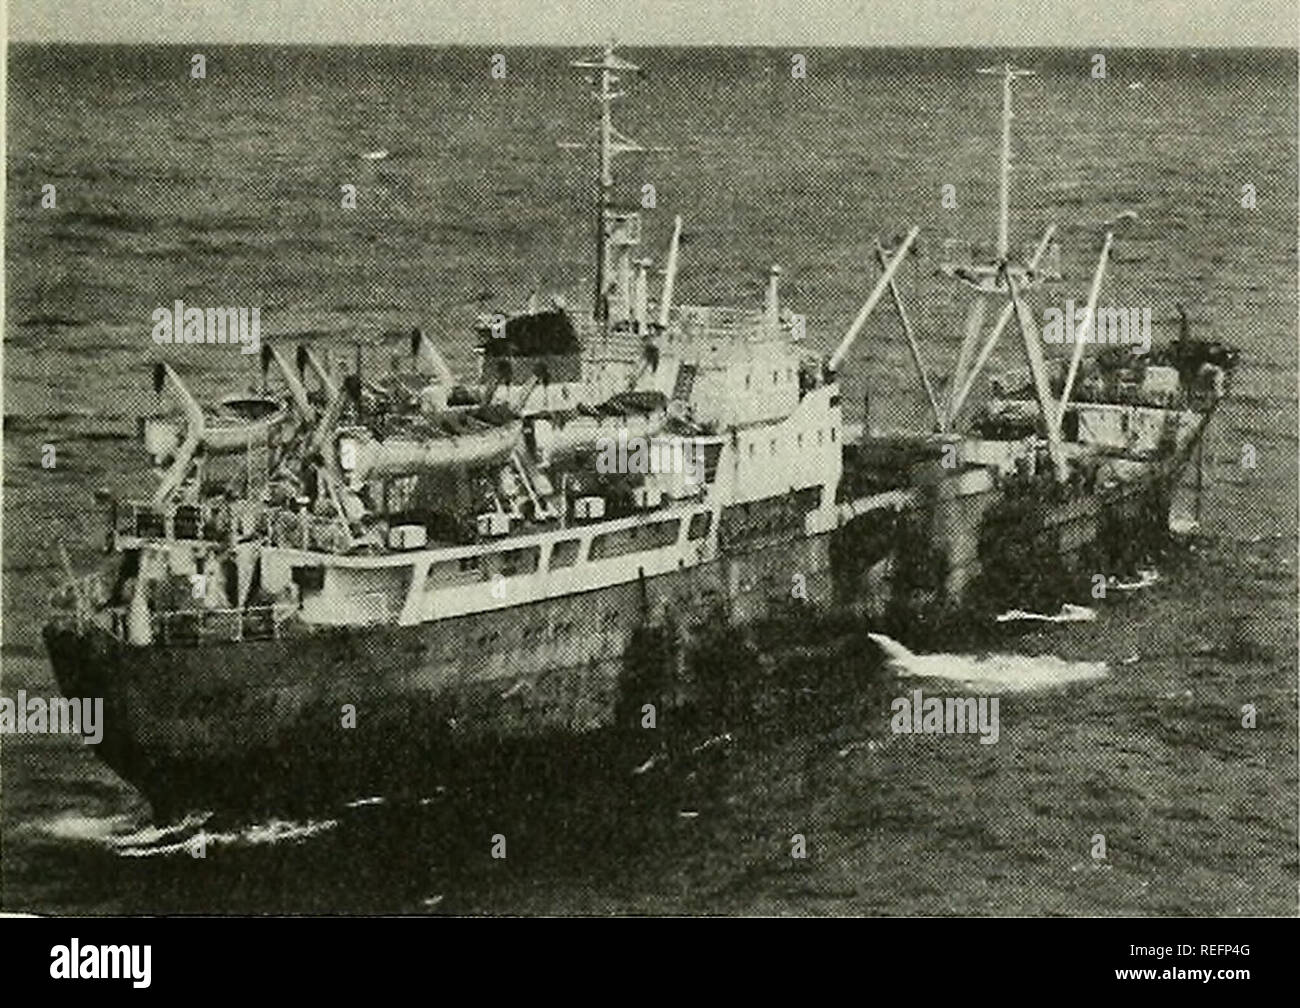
[(207, 626), (72, 607), (722, 322), (143, 520), (300, 530)]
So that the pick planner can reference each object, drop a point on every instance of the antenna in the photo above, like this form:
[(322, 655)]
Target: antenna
[(612, 142), (1008, 74)]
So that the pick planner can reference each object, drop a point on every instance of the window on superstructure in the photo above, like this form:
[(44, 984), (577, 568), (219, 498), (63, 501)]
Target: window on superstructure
[(832, 434), (634, 539), (700, 525), (564, 554), (453, 573), (519, 561)]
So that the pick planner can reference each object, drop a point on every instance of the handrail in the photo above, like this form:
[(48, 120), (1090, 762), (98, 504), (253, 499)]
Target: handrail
[(305, 531), (185, 625), (128, 515), (227, 624)]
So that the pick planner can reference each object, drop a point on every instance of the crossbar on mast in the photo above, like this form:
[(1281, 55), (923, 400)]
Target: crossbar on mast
[(611, 143), (987, 349)]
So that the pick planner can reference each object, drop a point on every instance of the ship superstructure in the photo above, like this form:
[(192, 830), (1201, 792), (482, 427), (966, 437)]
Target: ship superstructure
[(552, 357)]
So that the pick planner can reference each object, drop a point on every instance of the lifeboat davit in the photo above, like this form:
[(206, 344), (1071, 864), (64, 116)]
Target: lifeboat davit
[(236, 424)]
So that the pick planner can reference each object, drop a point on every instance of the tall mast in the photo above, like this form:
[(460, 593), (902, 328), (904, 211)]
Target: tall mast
[(605, 183), (611, 143), (1008, 73)]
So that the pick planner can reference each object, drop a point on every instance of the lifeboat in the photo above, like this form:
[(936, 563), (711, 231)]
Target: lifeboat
[(470, 437), (239, 421), (628, 414), (234, 425), (231, 426)]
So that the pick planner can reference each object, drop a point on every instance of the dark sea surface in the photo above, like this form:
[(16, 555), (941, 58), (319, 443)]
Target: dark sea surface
[(225, 191)]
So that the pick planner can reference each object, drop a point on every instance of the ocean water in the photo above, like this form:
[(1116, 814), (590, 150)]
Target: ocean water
[(226, 191)]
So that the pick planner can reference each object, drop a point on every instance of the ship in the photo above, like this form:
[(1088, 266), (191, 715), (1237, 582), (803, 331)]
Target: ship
[(1062, 481), (361, 583)]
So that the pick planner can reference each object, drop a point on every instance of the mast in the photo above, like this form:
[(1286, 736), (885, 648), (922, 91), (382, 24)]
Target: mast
[(1009, 73), (614, 237), (605, 183), (1004, 176)]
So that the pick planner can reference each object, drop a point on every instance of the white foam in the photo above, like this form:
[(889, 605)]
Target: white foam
[(276, 831), (1069, 614), (78, 826), (1010, 673), (151, 834), (1147, 576)]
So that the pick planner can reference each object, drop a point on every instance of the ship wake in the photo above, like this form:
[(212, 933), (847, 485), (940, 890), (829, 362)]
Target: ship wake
[(1010, 673), (189, 838)]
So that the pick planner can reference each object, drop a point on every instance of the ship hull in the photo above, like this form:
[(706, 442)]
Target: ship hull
[(344, 712), (341, 712), (1037, 546)]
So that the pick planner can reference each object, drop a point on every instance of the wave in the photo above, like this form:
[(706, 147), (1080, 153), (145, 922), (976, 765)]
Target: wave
[(80, 827), (64, 422), (149, 842), (123, 836), (1011, 673)]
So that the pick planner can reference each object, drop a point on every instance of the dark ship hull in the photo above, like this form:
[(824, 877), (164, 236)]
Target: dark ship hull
[(260, 723)]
